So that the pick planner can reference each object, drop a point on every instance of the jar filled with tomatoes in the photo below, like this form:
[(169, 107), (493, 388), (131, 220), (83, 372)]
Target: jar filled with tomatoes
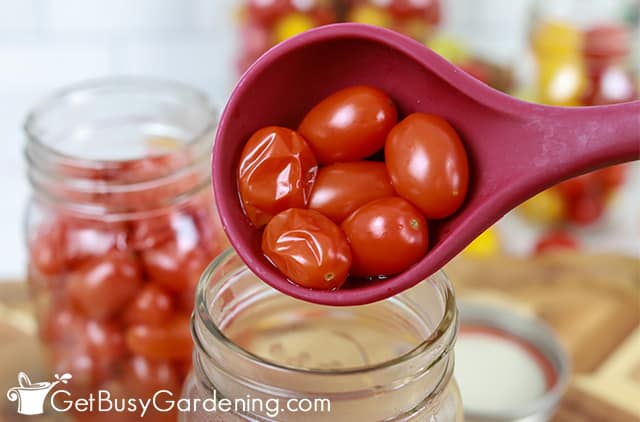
[(262, 355), (120, 225)]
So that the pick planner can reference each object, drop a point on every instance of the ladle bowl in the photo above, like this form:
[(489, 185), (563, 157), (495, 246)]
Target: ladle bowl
[(516, 149)]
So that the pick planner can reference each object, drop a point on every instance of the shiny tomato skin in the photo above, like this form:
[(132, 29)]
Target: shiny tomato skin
[(101, 287), (342, 188), (144, 377), (308, 248), (175, 265), (169, 341), (105, 341), (349, 125), (428, 164), (152, 305), (386, 236), (277, 170)]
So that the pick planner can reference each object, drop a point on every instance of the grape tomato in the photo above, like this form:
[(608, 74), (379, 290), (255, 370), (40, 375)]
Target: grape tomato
[(308, 248), (169, 341), (342, 188), (428, 164), (349, 125), (386, 236), (276, 172), (103, 286)]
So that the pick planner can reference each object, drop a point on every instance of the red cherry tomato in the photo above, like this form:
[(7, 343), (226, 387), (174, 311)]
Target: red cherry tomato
[(416, 8), (342, 188), (387, 236), (308, 248), (349, 125), (612, 177), (152, 305), (556, 241), (170, 341), (176, 264), (61, 324), (586, 210), (427, 164), (267, 11), (276, 172), (144, 377), (105, 341), (103, 286), (77, 360), (581, 186), (47, 250)]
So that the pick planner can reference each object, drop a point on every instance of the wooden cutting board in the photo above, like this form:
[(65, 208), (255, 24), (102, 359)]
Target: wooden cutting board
[(592, 301)]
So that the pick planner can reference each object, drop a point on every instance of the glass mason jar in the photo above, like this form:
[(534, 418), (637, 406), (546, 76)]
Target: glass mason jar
[(275, 358), (120, 225)]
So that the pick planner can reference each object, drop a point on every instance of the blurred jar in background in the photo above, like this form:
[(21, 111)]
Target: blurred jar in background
[(265, 23), (582, 51), (120, 225), (415, 18)]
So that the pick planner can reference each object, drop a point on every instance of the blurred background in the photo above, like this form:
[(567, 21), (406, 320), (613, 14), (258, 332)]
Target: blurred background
[(569, 256), (48, 44)]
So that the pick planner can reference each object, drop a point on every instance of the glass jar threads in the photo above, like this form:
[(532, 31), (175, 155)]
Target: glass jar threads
[(391, 360)]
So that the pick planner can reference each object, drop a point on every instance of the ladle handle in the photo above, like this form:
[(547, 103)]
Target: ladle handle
[(603, 135), (576, 140)]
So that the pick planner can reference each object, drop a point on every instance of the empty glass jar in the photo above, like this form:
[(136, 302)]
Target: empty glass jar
[(264, 356)]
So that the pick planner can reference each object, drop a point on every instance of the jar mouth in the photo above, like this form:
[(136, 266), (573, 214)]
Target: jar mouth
[(441, 338), (96, 145), (79, 91)]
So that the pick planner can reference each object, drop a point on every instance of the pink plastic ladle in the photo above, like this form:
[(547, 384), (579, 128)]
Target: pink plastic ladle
[(516, 149)]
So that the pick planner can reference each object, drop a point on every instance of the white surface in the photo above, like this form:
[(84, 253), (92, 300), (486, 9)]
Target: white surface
[(496, 375)]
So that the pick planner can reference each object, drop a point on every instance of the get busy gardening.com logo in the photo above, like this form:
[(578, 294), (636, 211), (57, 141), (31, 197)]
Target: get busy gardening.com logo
[(32, 399)]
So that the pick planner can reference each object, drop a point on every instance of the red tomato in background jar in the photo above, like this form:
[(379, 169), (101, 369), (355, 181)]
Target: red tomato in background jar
[(88, 239), (308, 248), (427, 164), (267, 11), (67, 242), (169, 341), (61, 324), (77, 359), (349, 125), (176, 264), (276, 172), (47, 250), (342, 188), (428, 10), (103, 286), (105, 341), (144, 377), (152, 305), (386, 236)]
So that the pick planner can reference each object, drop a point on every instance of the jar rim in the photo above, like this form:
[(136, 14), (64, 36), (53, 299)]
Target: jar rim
[(448, 321), (86, 186), (109, 83)]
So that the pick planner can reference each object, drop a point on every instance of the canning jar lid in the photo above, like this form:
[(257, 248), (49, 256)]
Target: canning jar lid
[(509, 365)]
